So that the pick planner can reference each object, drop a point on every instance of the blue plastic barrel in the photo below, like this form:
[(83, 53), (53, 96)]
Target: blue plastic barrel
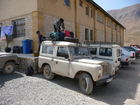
[(27, 46)]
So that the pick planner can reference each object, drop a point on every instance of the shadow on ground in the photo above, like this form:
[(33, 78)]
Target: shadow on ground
[(5, 78), (116, 93)]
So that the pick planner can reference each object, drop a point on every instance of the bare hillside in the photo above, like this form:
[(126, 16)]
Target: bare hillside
[(130, 18)]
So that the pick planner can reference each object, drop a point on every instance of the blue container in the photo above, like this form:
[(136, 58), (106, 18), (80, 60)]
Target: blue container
[(27, 46)]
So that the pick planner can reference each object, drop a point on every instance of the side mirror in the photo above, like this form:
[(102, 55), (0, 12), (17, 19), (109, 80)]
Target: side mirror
[(66, 56)]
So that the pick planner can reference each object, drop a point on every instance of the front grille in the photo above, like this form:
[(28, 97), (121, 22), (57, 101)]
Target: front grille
[(105, 69)]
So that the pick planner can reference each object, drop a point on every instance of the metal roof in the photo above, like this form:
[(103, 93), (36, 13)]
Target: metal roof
[(101, 9)]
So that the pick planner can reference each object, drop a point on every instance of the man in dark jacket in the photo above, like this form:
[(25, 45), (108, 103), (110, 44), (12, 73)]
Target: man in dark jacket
[(59, 25), (40, 39)]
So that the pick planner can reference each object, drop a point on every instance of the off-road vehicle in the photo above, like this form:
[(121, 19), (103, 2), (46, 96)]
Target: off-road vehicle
[(8, 63), (73, 60)]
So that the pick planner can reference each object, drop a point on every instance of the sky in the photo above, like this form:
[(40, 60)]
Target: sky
[(116, 4)]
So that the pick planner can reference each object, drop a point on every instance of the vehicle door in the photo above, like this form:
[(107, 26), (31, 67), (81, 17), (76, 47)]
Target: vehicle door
[(117, 56), (46, 56), (61, 60)]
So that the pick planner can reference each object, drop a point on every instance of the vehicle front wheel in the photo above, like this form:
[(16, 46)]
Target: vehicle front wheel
[(9, 68), (47, 72), (86, 83)]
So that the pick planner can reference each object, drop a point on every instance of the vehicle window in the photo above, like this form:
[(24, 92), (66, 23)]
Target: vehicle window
[(93, 51), (118, 52), (62, 52), (129, 48), (105, 52), (78, 51), (47, 49)]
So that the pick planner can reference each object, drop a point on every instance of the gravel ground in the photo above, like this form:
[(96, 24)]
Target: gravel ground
[(19, 89)]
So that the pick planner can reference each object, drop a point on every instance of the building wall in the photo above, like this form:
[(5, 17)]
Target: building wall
[(28, 30), (49, 21), (83, 20), (100, 28), (41, 14), (76, 20), (108, 30), (13, 8)]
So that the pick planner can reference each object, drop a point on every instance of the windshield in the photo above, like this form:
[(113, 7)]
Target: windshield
[(129, 48), (78, 51)]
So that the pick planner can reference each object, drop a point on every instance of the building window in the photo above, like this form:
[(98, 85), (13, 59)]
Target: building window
[(115, 26), (19, 28), (86, 34), (81, 3), (91, 13), (67, 2), (91, 34), (109, 23), (100, 18), (87, 11)]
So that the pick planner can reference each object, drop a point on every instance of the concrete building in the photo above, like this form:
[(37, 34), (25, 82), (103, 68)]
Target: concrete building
[(85, 18)]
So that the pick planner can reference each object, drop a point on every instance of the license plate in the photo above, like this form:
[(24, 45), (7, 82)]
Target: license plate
[(109, 80)]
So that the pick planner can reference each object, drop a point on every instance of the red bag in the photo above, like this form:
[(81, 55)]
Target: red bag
[(67, 33)]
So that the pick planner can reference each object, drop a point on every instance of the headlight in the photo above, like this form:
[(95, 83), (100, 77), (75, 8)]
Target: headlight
[(99, 69), (113, 70)]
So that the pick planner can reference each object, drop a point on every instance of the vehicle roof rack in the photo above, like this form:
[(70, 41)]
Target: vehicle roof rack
[(66, 39), (98, 42)]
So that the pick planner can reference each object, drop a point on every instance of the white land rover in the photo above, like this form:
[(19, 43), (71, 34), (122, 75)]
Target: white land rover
[(110, 53), (72, 60)]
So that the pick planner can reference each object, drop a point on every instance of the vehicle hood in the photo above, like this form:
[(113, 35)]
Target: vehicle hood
[(5, 54), (89, 61)]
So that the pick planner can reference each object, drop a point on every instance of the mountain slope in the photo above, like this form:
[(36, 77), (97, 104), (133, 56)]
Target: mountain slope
[(130, 18)]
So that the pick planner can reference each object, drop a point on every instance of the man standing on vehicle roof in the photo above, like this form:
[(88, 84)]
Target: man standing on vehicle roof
[(59, 25)]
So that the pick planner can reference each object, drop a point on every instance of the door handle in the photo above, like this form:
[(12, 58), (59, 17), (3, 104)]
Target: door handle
[(56, 62)]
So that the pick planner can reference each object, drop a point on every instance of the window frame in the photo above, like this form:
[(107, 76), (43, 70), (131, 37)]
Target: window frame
[(100, 18), (18, 31), (80, 3), (91, 12), (86, 34), (91, 35), (87, 10)]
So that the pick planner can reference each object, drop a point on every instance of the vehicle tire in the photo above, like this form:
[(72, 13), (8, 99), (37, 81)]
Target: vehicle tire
[(47, 72), (9, 68), (86, 83)]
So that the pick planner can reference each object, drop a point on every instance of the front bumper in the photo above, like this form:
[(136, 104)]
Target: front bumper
[(132, 59), (125, 63), (106, 79)]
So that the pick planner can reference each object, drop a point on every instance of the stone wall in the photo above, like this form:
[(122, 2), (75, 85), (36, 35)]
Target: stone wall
[(28, 31)]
